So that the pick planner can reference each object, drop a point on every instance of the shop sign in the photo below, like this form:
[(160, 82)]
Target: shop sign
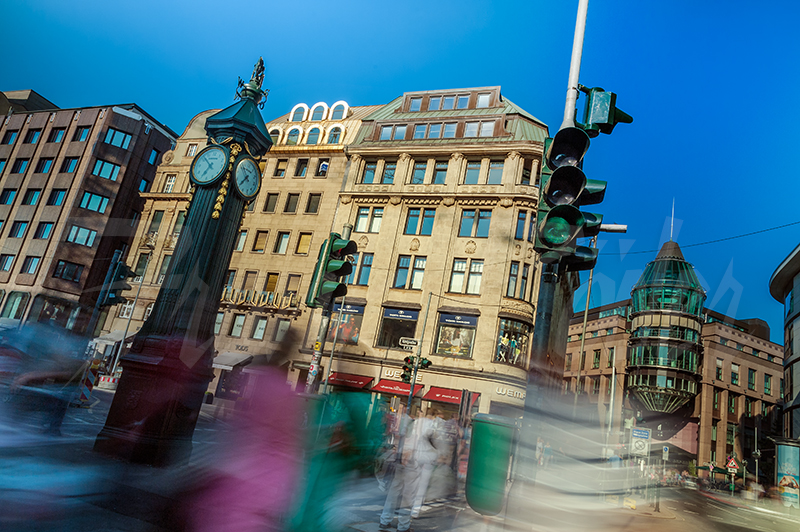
[(510, 392), (397, 374), (400, 314), (258, 299), (462, 321)]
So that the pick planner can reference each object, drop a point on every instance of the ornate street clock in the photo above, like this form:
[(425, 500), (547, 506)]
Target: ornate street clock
[(248, 177), (209, 165)]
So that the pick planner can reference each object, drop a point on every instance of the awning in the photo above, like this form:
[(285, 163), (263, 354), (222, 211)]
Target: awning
[(395, 387), (346, 379), (230, 360), (113, 337), (447, 395)]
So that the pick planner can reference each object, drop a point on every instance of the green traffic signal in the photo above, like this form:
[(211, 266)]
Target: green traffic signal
[(424, 363), (118, 285), (408, 368), (601, 113), (332, 264)]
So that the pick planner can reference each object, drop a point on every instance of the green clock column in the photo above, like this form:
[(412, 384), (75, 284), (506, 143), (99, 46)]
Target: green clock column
[(168, 368)]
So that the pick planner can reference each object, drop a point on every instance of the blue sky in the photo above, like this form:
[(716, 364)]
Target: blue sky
[(711, 87)]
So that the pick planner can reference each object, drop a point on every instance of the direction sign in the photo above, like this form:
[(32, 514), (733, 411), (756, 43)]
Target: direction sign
[(408, 342), (640, 442), (732, 464)]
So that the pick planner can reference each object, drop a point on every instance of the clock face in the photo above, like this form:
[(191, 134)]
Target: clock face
[(248, 177), (209, 165)]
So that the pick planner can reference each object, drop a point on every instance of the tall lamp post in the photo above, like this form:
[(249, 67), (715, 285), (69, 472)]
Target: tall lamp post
[(168, 368)]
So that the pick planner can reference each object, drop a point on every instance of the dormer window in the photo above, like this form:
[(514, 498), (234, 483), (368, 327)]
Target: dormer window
[(293, 137), (334, 137), (313, 136), (416, 105), (318, 113), (463, 101), (297, 116), (337, 113), (483, 100)]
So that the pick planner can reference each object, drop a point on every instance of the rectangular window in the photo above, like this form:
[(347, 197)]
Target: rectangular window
[(6, 261), (291, 203), (418, 175), (141, 266), (449, 130), (472, 173), (18, 229), (32, 137), (44, 165), (249, 282), (474, 278), (520, 232), (419, 131), (81, 235), (386, 132), (56, 134), (191, 150), (388, 173), (469, 227), (169, 183), (56, 197), (81, 134), (7, 196), (415, 105), (155, 221), (458, 276), (523, 283), (369, 173), (487, 129), (71, 163), (43, 230), (260, 244), (513, 274), (69, 271), (434, 103), (719, 369), (237, 325), (365, 269), (271, 283), (19, 166), (462, 102), (375, 220), (271, 203), (751, 379), (417, 273), (716, 399), (281, 329), (401, 275), (395, 324), (280, 168), (218, 322), (2, 165), (735, 374), (471, 129), (483, 100), (105, 169), (241, 240), (495, 173), (596, 359), (434, 131), (281, 243), (292, 287), (303, 244), (362, 220), (312, 204), (31, 196), (439, 173), (732, 404), (456, 335), (118, 138), (162, 273), (448, 102), (322, 167), (94, 202), (413, 226), (259, 327), (153, 159), (610, 357), (30, 264), (399, 133), (768, 384), (301, 168), (10, 137)]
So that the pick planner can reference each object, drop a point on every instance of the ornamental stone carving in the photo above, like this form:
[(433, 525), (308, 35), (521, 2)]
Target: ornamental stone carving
[(530, 255), (355, 160), (513, 156), (471, 247), (414, 246), (457, 158), (345, 200), (517, 250), (403, 158), (506, 203), (449, 201), (395, 200), (362, 243), (168, 157)]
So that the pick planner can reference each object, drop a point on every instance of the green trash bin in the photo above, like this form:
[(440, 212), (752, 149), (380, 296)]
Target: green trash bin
[(489, 459)]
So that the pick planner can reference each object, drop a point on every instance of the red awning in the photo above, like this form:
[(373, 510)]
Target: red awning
[(395, 387), (346, 379), (447, 395)]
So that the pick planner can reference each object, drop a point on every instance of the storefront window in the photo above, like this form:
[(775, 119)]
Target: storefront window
[(456, 335), (15, 305), (397, 323), (347, 321), (512, 343)]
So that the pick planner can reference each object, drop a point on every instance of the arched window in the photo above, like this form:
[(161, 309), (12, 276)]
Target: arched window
[(275, 134), (298, 115), (337, 113), (293, 137), (335, 136), (15, 305), (313, 136), (318, 113)]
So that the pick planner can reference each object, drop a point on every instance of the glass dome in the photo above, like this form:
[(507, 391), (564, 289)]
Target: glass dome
[(669, 283)]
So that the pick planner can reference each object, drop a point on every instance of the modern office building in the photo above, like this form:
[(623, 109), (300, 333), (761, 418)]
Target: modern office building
[(69, 197), (705, 384), (783, 287), (440, 189)]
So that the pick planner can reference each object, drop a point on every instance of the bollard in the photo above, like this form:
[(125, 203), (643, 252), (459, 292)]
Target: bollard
[(489, 458)]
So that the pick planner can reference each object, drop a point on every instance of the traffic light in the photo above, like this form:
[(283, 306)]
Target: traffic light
[(565, 188), (408, 369), (424, 363), (118, 285), (601, 113), (331, 265)]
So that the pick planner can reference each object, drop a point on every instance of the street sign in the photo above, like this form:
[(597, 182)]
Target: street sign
[(640, 442), (665, 453), (408, 347), (732, 464), (409, 342)]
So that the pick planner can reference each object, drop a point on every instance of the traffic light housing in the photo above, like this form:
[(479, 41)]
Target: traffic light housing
[(408, 369), (564, 187), (332, 264), (424, 363), (601, 113), (118, 285)]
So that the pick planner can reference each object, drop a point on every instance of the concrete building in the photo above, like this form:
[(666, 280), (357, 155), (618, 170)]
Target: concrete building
[(705, 383), (441, 189), (784, 288), (70, 181)]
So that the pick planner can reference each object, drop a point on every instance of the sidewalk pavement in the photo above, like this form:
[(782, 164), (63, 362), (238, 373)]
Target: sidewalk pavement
[(766, 505)]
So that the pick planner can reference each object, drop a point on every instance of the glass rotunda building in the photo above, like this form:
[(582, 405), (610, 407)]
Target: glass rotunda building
[(665, 346)]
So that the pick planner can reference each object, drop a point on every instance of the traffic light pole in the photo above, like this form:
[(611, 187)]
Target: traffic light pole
[(575, 66), (419, 354), (319, 345), (103, 292), (130, 317)]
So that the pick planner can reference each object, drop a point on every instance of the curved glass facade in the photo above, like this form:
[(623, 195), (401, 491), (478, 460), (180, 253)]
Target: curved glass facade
[(665, 348)]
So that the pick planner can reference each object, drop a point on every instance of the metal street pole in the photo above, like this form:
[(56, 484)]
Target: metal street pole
[(346, 232), (419, 354), (583, 335), (130, 317), (575, 66)]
